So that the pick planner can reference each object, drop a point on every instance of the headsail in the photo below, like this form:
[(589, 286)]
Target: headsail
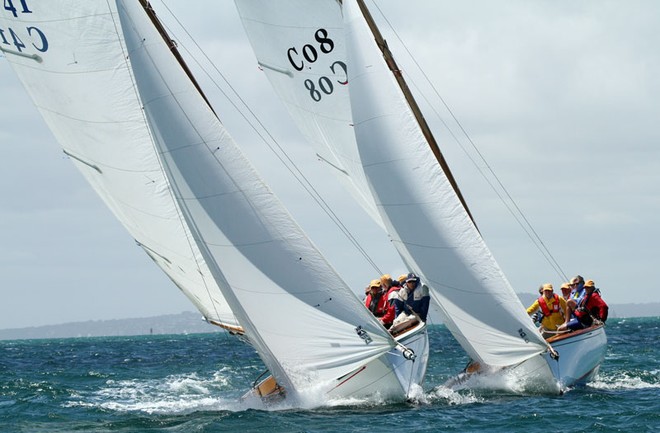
[(301, 50), (429, 226), (306, 324), (70, 59)]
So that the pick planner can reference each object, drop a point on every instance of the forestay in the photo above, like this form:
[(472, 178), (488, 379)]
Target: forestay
[(429, 226), (306, 324), (300, 47), (70, 59)]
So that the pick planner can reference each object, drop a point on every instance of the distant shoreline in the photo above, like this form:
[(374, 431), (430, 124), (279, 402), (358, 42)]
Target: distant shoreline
[(189, 322)]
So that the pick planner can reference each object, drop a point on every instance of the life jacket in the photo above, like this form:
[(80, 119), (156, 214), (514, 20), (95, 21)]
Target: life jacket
[(377, 304), (582, 312), (544, 305), (393, 294)]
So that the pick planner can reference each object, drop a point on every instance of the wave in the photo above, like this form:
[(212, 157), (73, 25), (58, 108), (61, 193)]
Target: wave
[(453, 397), (183, 394), (175, 394), (632, 380)]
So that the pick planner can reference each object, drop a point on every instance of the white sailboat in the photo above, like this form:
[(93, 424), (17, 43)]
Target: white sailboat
[(126, 110), (334, 73)]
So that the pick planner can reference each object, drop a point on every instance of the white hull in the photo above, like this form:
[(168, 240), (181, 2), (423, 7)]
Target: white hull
[(580, 356), (390, 377), (412, 374)]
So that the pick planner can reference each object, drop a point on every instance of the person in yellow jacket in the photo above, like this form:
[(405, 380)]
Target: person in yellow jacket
[(553, 308)]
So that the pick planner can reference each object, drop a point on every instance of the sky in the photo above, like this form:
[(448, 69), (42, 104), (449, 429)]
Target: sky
[(561, 99)]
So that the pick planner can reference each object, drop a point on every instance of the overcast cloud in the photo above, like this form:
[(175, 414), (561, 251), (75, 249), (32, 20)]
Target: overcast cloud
[(560, 97)]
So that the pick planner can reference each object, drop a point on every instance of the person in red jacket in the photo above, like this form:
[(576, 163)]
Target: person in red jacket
[(376, 302), (591, 307), (391, 288)]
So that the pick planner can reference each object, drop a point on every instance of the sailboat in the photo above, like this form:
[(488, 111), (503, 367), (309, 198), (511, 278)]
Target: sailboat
[(118, 97), (335, 74)]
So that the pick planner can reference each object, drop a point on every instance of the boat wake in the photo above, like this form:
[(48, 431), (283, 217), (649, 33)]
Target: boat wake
[(506, 381), (188, 393), (177, 394)]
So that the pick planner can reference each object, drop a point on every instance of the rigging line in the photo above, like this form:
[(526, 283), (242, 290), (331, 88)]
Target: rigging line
[(506, 204), (290, 166), (538, 240)]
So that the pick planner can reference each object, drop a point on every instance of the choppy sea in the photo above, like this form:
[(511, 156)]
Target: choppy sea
[(192, 383)]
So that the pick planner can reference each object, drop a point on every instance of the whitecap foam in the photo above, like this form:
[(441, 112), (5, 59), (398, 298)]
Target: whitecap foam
[(502, 381), (453, 397), (416, 395), (626, 380), (176, 394)]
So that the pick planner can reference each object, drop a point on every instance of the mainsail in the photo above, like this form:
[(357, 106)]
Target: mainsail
[(428, 224), (421, 211), (304, 321), (70, 59)]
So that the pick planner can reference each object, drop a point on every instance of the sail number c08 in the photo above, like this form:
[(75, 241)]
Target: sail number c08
[(308, 55)]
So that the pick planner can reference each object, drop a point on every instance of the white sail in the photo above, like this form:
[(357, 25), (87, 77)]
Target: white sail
[(300, 47), (306, 324), (70, 59), (429, 226)]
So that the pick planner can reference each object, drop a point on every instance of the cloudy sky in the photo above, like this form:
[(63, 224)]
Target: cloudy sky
[(561, 98)]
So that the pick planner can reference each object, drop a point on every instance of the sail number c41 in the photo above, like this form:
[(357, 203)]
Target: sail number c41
[(306, 56), (12, 38)]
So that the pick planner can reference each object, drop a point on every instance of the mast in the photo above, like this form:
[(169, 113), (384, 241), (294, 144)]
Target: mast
[(173, 48), (391, 64)]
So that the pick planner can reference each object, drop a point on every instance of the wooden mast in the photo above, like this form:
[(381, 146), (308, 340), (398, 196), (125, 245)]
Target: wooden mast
[(391, 64), (173, 48)]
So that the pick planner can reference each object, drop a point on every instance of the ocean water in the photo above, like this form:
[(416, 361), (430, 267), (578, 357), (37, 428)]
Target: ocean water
[(192, 383)]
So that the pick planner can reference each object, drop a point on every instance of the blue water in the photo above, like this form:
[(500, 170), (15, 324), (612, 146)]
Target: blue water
[(191, 383)]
